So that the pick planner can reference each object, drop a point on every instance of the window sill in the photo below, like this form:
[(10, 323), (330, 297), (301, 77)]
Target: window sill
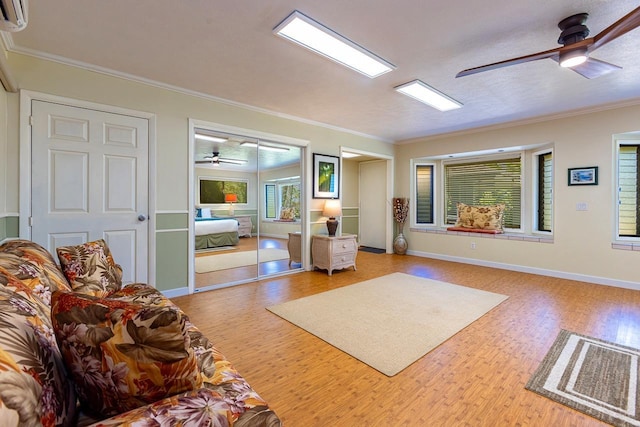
[(502, 236), (626, 246)]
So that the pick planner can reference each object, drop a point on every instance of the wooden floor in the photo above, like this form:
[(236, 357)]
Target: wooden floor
[(246, 273), (476, 378)]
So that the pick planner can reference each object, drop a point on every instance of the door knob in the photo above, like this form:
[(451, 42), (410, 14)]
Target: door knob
[(141, 217)]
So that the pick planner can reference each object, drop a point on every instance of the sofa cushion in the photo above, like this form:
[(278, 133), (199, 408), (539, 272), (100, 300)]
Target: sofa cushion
[(34, 266), (34, 389), (203, 407), (90, 268), (489, 217), (123, 355)]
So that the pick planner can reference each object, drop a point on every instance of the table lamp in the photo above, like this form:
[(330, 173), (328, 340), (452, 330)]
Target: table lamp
[(231, 199), (332, 209)]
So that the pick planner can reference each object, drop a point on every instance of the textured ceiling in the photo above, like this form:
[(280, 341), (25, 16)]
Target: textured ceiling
[(226, 49)]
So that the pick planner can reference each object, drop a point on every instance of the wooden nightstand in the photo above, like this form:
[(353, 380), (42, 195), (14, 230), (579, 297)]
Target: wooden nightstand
[(244, 225), (294, 245), (334, 253)]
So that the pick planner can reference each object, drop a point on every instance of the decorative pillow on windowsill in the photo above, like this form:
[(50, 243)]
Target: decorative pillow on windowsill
[(122, 355), (90, 268), (489, 217)]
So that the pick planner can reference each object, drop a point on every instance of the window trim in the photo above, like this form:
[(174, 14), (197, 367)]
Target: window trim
[(631, 138), (278, 184), (434, 197), (528, 177), (534, 189)]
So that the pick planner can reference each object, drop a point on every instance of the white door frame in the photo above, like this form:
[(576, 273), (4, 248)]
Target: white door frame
[(388, 193), (26, 97)]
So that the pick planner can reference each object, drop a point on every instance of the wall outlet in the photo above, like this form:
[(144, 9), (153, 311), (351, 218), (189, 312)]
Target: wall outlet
[(473, 245), (582, 206)]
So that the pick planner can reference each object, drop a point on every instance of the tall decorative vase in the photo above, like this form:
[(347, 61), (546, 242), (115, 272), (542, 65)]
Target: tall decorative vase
[(400, 244)]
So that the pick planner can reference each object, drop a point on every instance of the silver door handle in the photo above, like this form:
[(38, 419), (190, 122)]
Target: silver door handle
[(141, 217)]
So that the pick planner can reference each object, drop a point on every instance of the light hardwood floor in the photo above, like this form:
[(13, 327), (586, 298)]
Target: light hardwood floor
[(476, 378)]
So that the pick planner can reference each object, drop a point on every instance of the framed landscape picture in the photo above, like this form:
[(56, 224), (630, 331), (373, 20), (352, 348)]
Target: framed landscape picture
[(583, 176), (326, 176)]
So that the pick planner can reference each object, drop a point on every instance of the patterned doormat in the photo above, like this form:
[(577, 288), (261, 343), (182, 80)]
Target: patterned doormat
[(372, 250), (593, 376)]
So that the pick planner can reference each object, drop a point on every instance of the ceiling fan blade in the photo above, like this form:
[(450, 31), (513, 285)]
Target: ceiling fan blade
[(593, 68), (622, 26), (206, 162), (232, 161), (553, 53)]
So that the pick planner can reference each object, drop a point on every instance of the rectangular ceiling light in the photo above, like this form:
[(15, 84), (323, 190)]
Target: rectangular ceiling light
[(204, 137), (430, 96), (263, 147), (306, 32)]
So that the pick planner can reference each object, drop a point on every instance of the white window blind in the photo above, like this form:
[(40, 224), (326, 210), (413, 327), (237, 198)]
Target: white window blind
[(270, 200), (486, 182), (628, 191)]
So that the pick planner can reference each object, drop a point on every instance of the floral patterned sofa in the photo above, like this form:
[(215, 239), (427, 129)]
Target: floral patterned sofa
[(77, 348)]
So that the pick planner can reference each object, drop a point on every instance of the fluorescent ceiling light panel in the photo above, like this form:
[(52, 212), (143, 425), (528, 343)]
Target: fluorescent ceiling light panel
[(209, 138), (306, 32), (424, 93), (263, 147), (348, 155)]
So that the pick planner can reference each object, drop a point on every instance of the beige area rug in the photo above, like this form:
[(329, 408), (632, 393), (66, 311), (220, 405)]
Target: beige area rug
[(592, 376), (391, 321), (215, 262)]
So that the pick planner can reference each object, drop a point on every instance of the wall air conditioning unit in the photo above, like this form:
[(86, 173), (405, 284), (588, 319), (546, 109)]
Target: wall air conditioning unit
[(14, 15)]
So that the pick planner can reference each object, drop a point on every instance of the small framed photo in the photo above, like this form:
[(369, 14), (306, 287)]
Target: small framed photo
[(583, 176), (326, 177)]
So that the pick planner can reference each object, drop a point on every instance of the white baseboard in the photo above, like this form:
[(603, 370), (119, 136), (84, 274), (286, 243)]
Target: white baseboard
[(532, 270), (178, 292)]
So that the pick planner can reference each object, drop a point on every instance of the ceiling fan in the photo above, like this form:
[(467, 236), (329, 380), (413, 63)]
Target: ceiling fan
[(576, 47), (215, 159)]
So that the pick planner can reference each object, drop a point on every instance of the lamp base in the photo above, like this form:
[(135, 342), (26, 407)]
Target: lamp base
[(332, 226), (231, 210)]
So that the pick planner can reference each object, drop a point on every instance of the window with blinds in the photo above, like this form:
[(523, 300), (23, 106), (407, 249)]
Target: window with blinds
[(270, 200), (424, 194), (279, 196), (485, 182), (545, 192), (628, 191)]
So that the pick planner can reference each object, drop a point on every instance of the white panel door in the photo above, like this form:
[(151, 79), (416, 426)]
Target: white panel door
[(90, 181), (373, 204)]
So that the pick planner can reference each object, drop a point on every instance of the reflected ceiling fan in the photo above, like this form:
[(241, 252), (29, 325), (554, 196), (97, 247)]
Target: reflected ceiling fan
[(216, 160), (576, 47)]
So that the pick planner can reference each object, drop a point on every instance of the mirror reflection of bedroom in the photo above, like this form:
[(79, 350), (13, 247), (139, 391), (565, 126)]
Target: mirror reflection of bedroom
[(248, 201)]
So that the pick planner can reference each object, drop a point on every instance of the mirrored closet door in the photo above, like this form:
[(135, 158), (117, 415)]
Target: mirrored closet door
[(248, 195)]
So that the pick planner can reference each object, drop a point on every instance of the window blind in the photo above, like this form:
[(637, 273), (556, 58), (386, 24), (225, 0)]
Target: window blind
[(545, 191), (628, 191), (270, 200), (424, 194), (486, 182)]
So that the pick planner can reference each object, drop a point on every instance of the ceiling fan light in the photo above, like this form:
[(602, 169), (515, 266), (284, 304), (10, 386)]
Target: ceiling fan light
[(573, 57)]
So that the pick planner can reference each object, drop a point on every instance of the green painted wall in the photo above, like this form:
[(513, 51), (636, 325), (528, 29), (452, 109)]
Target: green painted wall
[(171, 260)]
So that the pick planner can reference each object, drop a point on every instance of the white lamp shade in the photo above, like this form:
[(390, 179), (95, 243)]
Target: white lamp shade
[(332, 208)]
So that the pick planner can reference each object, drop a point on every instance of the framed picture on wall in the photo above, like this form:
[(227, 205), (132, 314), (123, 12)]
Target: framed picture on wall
[(326, 176), (583, 176)]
